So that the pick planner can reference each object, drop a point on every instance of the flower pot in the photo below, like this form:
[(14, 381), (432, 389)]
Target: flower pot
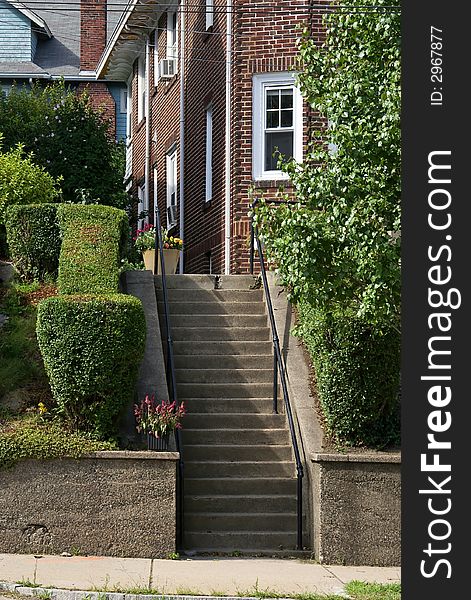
[(171, 256), (154, 443)]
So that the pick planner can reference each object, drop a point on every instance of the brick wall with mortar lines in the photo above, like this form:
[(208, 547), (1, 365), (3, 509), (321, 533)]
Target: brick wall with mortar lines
[(205, 85), (265, 41), (92, 32)]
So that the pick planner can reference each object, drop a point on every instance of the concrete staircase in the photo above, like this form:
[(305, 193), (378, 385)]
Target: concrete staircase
[(240, 478)]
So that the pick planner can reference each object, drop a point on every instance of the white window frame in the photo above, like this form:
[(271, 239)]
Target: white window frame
[(141, 194), (209, 14), (262, 82), (172, 49), (209, 154), (123, 101), (156, 57), (171, 181), (141, 87)]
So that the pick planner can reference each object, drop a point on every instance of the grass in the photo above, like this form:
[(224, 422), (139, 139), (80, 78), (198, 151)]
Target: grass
[(359, 590)]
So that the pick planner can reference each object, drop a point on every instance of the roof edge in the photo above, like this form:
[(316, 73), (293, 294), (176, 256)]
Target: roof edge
[(31, 16)]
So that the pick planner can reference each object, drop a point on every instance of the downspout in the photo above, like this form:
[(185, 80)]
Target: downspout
[(148, 124), (227, 187), (182, 131)]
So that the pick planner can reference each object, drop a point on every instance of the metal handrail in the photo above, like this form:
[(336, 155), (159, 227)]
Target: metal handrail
[(159, 247), (279, 368)]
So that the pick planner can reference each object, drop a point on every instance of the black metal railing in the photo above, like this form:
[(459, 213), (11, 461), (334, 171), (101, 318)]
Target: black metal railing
[(279, 370), (171, 380)]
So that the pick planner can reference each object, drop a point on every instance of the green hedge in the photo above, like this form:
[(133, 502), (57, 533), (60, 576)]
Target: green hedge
[(34, 240), (93, 237), (92, 347), (357, 370)]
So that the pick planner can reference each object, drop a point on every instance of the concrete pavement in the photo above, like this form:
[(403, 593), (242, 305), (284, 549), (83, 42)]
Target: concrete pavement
[(211, 576)]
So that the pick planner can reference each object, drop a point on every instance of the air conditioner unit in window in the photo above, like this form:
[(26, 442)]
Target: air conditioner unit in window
[(167, 67), (171, 216)]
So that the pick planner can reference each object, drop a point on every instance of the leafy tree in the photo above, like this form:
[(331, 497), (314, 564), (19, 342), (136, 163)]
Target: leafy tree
[(23, 182), (341, 248), (69, 138)]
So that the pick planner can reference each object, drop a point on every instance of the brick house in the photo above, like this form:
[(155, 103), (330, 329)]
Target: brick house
[(45, 41), (211, 95)]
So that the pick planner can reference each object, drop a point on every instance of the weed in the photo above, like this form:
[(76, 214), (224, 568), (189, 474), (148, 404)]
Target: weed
[(28, 583), (45, 595), (236, 553), (188, 592), (173, 556)]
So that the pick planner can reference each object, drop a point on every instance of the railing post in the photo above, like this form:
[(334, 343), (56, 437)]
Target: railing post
[(275, 382), (252, 246)]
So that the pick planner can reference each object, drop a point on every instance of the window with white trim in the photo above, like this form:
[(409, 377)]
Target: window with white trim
[(141, 193), (172, 35), (172, 182), (141, 88), (123, 101), (209, 154), (209, 14), (277, 123)]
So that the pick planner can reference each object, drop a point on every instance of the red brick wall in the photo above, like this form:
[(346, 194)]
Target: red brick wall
[(92, 32), (101, 99)]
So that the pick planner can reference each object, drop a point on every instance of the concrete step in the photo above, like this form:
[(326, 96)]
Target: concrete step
[(211, 296), (237, 504), (204, 468), (224, 390), (220, 348), (230, 522), (230, 541), (207, 282), (231, 405), (233, 421), (193, 307), (221, 361), (224, 375), (190, 334), (235, 453), (232, 486), (227, 437), (239, 320)]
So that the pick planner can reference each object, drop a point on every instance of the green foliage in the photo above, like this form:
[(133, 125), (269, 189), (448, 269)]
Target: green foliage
[(92, 347), (22, 181), (357, 372), (34, 240), (29, 438), (360, 590), (20, 361), (69, 138), (342, 247), (92, 239)]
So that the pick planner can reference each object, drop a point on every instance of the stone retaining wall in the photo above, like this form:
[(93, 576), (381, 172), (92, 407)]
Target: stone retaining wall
[(357, 509), (106, 504)]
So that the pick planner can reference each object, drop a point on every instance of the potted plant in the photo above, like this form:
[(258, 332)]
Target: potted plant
[(145, 242), (158, 421)]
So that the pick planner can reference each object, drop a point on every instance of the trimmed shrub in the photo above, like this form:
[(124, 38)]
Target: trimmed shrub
[(23, 182), (34, 239), (357, 371), (92, 347), (93, 237)]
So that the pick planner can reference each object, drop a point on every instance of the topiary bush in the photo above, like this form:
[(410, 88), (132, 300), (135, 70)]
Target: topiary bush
[(34, 240), (357, 371), (92, 347), (93, 237)]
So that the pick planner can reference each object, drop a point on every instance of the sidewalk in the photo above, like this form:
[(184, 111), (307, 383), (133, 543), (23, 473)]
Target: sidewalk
[(188, 576)]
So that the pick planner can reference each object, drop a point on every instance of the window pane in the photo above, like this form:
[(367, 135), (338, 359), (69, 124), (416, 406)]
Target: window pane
[(286, 98), (273, 99), (287, 118), (277, 142), (273, 117)]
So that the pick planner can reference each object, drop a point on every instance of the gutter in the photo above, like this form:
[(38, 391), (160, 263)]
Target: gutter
[(227, 184), (182, 132), (148, 124)]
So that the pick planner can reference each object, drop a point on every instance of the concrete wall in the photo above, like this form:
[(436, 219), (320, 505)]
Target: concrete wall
[(357, 509), (108, 504)]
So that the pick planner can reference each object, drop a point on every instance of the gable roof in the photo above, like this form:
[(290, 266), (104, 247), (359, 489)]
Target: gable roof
[(58, 53), (31, 15)]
